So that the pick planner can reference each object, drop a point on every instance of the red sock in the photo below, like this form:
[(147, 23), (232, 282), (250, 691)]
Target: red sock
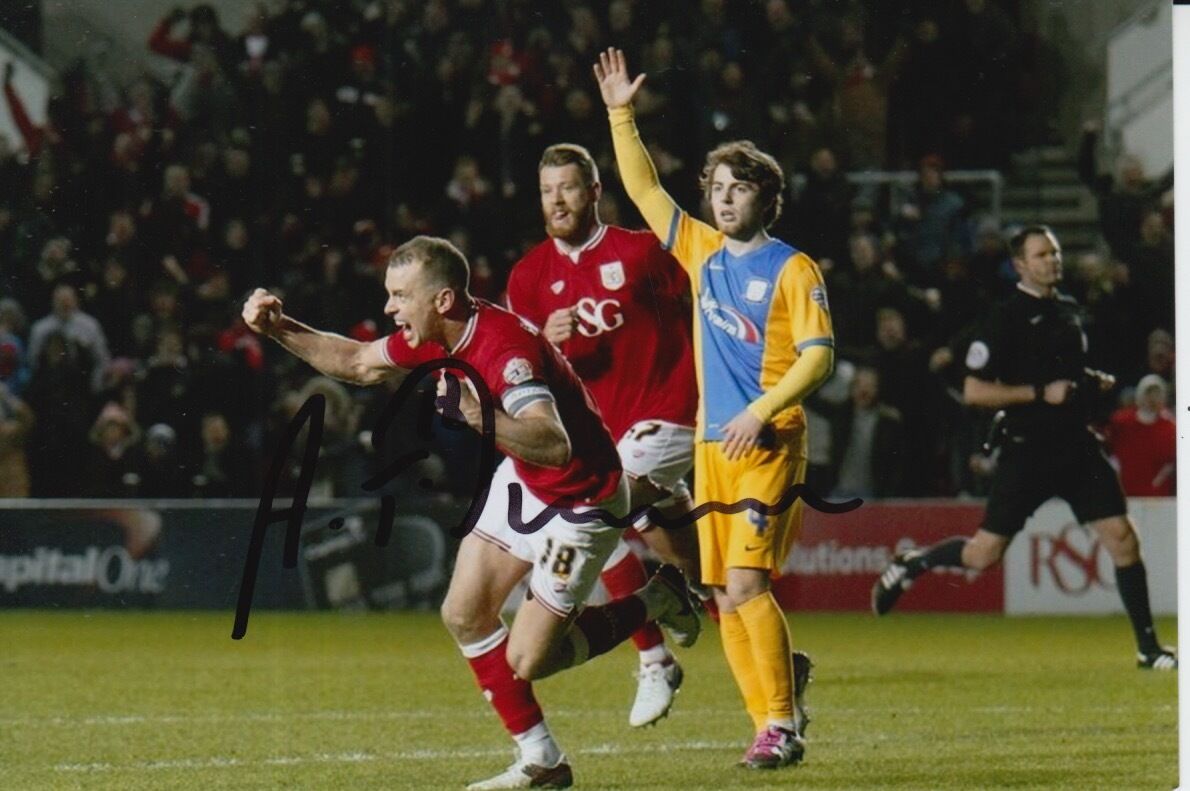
[(624, 579), (711, 607), (608, 625), (511, 697)]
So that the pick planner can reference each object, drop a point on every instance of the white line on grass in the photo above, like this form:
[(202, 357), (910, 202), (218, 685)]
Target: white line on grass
[(113, 720), (220, 762)]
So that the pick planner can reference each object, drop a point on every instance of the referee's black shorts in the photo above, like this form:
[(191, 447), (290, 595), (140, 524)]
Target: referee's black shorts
[(1074, 469)]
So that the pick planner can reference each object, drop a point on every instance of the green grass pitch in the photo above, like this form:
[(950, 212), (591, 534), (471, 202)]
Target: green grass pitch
[(370, 701)]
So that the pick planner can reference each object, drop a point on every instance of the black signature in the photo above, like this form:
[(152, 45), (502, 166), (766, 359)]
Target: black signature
[(313, 412)]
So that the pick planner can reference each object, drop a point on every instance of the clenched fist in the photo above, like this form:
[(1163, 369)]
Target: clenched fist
[(262, 311), (560, 324)]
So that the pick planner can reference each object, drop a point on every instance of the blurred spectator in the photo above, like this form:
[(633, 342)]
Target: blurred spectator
[(220, 469), (925, 93), (112, 300), (113, 460), (341, 464), (79, 328), (867, 453), (731, 112), (982, 134), (14, 366), (164, 391), (1159, 359), (176, 226), (832, 396), (861, 92), (255, 44), (204, 30), (165, 473), (990, 262), (16, 421), (821, 216), (857, 291), (35, 137), (1143, 442), (903, 365), (1102, 288), (56, 265), (60, 395), (931, 224), (1123, 197), (1150, 272)]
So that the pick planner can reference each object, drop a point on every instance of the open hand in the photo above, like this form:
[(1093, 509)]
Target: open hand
[(741, 434), (612, 73)]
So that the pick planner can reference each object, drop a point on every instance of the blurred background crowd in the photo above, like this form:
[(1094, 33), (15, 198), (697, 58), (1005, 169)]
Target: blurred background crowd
[(292, 149)]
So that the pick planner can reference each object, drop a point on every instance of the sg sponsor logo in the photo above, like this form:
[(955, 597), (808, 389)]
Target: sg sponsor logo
[(1071, 561), (596, 317)]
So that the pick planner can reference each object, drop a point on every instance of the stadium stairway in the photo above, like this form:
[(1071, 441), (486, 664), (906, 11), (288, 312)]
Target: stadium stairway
[(1042, 185)]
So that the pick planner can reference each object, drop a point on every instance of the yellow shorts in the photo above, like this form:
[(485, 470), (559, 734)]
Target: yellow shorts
[(746, 539)]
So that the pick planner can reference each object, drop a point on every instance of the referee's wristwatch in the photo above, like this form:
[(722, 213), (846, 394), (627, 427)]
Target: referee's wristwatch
[(1039, 393)]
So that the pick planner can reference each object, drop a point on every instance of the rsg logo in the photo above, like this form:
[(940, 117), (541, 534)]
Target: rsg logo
[(1070, 559), (598, 317)]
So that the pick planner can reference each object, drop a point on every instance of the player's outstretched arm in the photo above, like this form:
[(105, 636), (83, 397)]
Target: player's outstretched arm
[(333, 355), (636, 167)]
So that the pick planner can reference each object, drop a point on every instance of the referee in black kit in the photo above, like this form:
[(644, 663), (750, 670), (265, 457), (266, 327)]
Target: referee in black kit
[(1029, 360)]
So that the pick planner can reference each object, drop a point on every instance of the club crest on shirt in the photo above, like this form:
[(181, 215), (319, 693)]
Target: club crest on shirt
[(517, 371), (612, 275), (557, 286), (818, 294), (756, 290)]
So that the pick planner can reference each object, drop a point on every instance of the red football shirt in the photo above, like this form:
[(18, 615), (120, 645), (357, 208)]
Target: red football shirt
[(632, 347), (1143, 450), (519, 366)]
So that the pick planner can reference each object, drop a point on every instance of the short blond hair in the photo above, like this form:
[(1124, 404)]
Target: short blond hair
[(562, 154)]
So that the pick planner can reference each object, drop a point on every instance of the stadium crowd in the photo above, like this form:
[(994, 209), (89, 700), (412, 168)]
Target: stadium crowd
[(298, 150)]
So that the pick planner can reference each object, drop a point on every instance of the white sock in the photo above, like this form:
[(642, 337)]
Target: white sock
[(537, 746), (785, 723), (655, 655)]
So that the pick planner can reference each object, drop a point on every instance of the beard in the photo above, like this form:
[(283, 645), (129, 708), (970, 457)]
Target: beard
[(573, 229)]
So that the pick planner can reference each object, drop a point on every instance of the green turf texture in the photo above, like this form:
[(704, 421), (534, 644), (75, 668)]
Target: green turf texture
[(363, 701)]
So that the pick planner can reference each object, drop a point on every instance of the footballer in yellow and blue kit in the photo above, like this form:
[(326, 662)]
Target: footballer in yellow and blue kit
[(755, 315)]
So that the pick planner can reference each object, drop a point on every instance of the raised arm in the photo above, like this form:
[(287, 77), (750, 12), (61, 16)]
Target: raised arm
[(333, 355), (636, 168)]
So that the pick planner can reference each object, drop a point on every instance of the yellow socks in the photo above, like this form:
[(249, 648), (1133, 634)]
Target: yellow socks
[(737, 646), (768, 635)]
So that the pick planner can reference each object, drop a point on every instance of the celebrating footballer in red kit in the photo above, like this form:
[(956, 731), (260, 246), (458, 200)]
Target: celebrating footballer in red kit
[(559, 452), (617, 306)]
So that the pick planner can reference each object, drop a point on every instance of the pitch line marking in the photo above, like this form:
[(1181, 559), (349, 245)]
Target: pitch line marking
[(388, 716), (220, 762)]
